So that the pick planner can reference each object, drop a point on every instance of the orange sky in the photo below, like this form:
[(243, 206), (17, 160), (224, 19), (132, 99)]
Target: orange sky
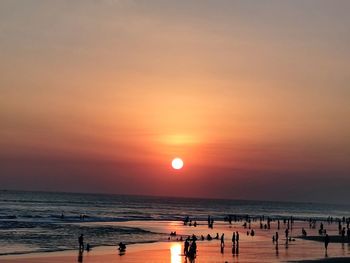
[(100, 96)]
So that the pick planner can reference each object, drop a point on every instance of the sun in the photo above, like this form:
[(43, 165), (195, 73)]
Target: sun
[(177, 163)]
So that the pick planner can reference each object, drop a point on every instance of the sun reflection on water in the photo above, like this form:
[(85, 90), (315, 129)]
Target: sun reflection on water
[(175, 252)]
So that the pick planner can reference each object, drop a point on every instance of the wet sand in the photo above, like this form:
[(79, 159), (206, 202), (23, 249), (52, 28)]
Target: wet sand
[(251, 249), (155, 253), (333, 239), (326, 260)]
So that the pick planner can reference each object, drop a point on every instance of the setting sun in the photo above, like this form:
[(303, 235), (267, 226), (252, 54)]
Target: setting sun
[(177, 163)]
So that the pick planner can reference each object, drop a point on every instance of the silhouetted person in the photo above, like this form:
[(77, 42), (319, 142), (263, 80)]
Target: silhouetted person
[(222, 240), (287, 234), (217, 236), (122, 247), (326, 242), (186, 246), (276, 237), (252, 233), (193, 249), (81, 242), (233, 238), (303, 232), (343, 235), (88, 247), (237, 237)]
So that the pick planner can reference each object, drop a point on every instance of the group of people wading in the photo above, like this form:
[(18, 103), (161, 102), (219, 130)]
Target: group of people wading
[(190, 249)]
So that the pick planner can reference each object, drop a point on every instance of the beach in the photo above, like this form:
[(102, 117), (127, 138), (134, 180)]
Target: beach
[(155, 252), (45, 227), (257, 248)]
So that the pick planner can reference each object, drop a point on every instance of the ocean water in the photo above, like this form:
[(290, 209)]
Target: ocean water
[(31, 221)]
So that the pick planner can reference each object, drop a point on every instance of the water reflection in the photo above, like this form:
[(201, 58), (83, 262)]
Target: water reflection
[(175, 253), (80, 256)]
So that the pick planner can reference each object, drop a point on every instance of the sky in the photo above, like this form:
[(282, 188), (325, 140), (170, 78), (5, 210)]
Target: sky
[(100, 96)]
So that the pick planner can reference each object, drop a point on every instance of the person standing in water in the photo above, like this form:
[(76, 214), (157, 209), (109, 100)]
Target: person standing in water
[(81, 242), (222, 240), (326, 242), (186, 246), (287, 234)]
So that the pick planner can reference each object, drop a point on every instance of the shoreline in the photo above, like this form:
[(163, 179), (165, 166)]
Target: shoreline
[(251, 248), (333, 239), (156, 252), (325, 260)]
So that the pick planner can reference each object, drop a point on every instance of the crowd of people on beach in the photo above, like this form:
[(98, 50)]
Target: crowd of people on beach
[(190, 242)]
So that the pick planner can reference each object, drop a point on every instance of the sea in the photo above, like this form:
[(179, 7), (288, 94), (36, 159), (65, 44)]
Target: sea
[(42, 221)]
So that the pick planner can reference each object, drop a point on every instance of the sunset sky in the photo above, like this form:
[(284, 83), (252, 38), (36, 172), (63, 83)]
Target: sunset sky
[(100, 96)]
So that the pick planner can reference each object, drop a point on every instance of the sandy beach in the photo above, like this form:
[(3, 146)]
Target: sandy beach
[(251, 249), (155, 253)]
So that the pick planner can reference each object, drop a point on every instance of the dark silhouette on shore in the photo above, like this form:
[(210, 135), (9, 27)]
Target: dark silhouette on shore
[(326, 242), (186, 246), (222, 241), (81, 242), (121, 248), (191, 254), (287, 234)]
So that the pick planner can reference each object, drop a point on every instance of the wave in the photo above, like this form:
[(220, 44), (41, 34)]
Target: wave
[(49, 237)]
